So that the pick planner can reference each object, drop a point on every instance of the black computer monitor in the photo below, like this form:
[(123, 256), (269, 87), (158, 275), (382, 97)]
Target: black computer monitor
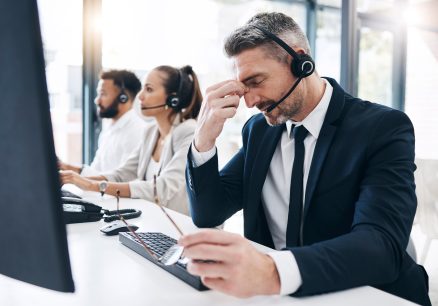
[(33, 242)]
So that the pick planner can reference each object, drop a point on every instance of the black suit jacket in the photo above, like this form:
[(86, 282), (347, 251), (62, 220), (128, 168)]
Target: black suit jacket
[(359, 205)]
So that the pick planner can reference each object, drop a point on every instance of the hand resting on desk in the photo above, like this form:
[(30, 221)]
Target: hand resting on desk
[(71, 177), (234, 265)]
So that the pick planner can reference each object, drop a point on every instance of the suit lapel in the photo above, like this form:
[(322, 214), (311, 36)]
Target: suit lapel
[(325, 139), (260, 166), (321, 149)]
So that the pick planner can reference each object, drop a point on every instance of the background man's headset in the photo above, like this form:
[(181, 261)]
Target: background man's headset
[(302, 65), (123, 97), (174, 100)]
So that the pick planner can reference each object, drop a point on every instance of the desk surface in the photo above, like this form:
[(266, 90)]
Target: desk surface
[(107, 273)]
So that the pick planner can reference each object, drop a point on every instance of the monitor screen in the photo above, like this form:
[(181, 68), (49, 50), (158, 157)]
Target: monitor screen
[(32, 232)]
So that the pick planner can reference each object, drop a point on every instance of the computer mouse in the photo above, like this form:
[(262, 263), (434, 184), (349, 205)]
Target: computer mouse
[(117, 227)]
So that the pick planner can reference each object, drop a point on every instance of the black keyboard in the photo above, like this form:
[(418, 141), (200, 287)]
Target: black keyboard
[(159, 243)]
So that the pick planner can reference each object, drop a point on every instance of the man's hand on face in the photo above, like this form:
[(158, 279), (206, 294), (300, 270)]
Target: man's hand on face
[(229, 263), (220, 103)]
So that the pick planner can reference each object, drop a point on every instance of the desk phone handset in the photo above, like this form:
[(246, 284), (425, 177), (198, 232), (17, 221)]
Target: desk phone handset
[(78, 210)]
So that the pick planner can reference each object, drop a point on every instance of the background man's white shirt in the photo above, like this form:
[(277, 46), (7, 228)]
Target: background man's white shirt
[(117, 142)]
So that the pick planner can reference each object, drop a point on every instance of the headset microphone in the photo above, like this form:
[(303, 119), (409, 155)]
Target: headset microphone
[(302, 65), (271, 108), (153, 107)]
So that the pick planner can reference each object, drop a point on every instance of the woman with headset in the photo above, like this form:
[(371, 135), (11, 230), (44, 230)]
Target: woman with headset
[(173, 98)]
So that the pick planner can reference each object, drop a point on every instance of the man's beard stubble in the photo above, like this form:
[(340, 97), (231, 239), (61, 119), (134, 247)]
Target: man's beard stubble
[(109, 112), (286, 110)]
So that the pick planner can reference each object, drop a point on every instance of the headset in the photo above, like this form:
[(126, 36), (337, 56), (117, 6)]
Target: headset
[(173, 100), (302, 65), (123, 97)]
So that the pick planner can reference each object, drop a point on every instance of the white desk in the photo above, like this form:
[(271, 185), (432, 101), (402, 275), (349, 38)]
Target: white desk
[(107, 273)]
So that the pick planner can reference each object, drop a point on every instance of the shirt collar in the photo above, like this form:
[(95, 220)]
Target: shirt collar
[(313, 122), (123, 120)]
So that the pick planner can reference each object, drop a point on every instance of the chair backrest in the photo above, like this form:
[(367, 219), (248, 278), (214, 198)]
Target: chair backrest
[(426, 179)]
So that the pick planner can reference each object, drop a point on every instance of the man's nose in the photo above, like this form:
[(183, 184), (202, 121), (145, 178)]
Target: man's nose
[(251, 99)]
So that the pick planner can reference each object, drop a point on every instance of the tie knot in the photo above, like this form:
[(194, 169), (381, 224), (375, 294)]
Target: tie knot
[(300, 133)]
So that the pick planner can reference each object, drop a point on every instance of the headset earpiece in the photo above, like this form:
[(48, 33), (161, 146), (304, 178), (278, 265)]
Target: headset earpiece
[(173, 101), (123, 97), (302, 66)]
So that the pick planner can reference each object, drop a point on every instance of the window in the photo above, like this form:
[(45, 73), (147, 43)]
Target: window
[(374, 6), (61, 28), (421, 90), (328, 42), (332, 3), (375, 65)]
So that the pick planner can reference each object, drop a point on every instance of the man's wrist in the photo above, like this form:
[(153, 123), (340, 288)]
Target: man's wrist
[(288, 271), (273, 279), (203, 147)]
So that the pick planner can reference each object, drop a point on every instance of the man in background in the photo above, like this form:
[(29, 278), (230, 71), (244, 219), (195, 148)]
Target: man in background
[(121, 134)]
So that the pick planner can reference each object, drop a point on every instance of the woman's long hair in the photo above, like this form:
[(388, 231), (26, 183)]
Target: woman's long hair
[(184, 83)]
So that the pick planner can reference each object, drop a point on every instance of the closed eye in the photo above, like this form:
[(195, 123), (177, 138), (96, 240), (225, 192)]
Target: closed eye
[(254, 82)]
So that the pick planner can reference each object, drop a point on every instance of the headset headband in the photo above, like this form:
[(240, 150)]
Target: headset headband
[(279, 41)]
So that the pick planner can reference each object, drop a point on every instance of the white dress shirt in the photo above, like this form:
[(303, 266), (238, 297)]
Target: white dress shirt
[(116, 142), (276, 190)]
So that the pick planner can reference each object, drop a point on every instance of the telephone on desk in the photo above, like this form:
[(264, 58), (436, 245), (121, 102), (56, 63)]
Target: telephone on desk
[(77, 210)]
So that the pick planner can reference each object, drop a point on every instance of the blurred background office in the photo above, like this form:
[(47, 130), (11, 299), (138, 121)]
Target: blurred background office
[(381, 50)]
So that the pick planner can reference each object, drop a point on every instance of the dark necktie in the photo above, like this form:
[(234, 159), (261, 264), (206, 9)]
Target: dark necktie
[(296, 189)]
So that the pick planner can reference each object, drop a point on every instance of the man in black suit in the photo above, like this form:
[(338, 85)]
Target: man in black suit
[(324, 178)]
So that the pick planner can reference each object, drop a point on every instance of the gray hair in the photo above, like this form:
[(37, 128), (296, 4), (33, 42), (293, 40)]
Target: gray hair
[(279, 24)]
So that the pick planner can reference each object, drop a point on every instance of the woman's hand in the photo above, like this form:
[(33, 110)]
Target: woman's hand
[(71, 177)]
